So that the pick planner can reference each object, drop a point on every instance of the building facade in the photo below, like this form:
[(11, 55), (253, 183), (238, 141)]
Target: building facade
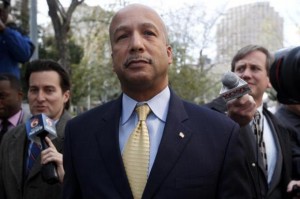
[(256, 23)]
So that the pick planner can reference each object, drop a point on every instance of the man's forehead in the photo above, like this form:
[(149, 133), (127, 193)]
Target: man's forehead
[(44, 77), (133, 14)]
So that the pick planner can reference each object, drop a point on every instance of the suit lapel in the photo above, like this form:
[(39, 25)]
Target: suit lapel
[(111, 152), (174, 139), (36, 168), (60, 130), (16, 153)]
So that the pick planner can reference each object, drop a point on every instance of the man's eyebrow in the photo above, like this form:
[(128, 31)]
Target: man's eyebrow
[(143, 25), (120, 28), (149, 25)]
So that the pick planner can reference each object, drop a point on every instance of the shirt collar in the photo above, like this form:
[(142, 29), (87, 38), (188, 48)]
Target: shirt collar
[(14, 120), (260, 110), (159, 105)]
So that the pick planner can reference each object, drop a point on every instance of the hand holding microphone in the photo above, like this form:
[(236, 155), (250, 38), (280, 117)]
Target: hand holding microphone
[(240, 105), (38, 127), (52, 155)]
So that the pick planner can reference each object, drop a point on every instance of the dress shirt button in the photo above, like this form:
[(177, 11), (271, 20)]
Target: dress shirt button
[(253, 164)]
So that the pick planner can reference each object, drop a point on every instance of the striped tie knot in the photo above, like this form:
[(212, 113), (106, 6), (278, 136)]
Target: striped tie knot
[(257, 118), (142, 111)]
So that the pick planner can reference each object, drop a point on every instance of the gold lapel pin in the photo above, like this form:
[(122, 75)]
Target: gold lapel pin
[(181, 135)]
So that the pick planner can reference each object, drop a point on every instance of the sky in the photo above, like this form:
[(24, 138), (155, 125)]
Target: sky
[(289, 10)]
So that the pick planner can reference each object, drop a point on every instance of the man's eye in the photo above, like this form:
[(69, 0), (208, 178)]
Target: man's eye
[(149, 33), (239, 69), (256, 68), (33, 90), (49, 90), (121, 37)]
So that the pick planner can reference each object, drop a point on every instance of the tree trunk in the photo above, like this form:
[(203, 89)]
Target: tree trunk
[(24, 16), (61, 23)]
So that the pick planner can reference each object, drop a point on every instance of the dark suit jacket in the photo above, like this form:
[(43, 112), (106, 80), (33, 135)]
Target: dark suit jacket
[(283, 169), (12, 152), (205, 163)]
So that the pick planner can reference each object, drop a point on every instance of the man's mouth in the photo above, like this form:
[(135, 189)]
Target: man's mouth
[(137, 60)]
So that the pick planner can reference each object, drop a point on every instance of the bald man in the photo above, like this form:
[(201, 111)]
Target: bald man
[(193, 152)]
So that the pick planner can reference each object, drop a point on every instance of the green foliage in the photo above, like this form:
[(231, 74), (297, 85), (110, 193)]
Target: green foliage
[(94, 80), (76, 52), (193, 85), (47, 49), (191, 73)]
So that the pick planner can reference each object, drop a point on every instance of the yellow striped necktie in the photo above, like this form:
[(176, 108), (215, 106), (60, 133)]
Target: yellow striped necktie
[(136, 154)]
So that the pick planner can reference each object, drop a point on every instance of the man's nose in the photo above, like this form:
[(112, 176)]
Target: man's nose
[(246, 73), (137, 43), (40, 96)]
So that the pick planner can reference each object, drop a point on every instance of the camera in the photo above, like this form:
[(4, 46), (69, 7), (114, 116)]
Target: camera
[(285, 75), (1, 5)]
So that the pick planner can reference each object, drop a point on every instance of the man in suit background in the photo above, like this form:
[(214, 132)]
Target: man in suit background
[(11, 96), (252, 64), (48, 92), (194, 152)]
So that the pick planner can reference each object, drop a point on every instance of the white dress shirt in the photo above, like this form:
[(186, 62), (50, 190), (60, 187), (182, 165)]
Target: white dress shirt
[(155, 121)]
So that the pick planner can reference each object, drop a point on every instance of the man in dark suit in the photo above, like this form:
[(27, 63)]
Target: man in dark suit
[(194, 152), (252, 63), (48, 93), (11, 96)]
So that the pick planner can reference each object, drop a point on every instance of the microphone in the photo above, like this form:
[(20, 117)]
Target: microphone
[(233, 86), (37, 128)]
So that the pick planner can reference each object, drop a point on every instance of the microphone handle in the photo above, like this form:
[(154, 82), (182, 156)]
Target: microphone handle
[(48, 171)]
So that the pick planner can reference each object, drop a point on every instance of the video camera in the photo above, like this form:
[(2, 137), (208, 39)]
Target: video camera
[(4, 4), (285, 75)]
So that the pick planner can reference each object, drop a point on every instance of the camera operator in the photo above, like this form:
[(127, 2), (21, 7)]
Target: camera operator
[(285, 78), (15, 46), (285, 73)]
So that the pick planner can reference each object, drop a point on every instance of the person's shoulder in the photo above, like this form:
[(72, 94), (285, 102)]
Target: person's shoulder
[(281, 124), (205, 113), (15, 132), (96, 112), (13, 26), (217, 104)]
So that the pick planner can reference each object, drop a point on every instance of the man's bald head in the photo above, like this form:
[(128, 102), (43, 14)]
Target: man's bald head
[(132, 9)]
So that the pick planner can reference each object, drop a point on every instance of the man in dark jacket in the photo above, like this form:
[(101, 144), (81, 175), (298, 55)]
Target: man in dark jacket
[(271, 173), (48, 93), (11, 96)]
